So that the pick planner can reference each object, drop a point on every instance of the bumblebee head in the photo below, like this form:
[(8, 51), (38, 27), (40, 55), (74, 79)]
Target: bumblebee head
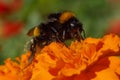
[(34, 32), (68, 18)]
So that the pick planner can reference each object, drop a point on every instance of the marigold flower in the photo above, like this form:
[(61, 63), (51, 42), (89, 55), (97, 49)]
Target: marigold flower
[(90, 59)]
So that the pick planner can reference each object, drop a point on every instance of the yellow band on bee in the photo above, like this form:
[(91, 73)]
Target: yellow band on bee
[(66, 16), (36, 32)]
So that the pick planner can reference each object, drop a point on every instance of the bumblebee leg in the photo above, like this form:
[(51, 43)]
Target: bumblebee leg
[(63, 35), (79, 36), (84, 33), (32, 49), (56, 35)]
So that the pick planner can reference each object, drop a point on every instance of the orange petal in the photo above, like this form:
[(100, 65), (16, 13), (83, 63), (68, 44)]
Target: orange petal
[(106, 74), (115, 64)]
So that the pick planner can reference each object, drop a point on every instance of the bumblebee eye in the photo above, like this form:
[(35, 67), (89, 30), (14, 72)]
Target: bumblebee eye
[(36, 32), (72, 24)]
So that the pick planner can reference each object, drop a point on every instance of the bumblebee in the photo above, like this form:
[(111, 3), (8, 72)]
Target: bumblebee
[(58, 27)]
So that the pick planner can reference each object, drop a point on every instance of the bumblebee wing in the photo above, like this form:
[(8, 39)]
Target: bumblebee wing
[(31, 32)]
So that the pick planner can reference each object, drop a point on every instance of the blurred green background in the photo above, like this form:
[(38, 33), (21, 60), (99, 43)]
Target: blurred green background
[(18, 16)]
